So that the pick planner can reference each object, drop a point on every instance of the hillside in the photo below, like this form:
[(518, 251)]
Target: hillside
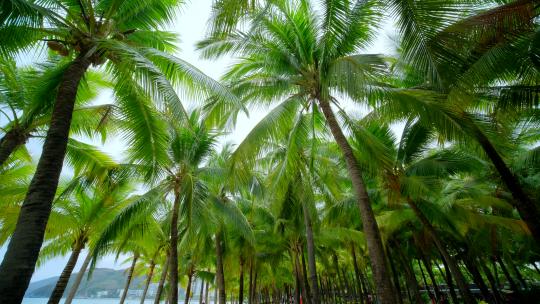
[(103, 283)]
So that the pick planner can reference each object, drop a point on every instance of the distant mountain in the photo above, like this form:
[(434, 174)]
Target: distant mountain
[(103, 283)]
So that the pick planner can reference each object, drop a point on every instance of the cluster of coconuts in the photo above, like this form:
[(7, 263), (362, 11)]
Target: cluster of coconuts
[(78, 43)]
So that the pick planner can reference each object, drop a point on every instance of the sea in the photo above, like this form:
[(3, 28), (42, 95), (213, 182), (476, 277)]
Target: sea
[(98, 301)]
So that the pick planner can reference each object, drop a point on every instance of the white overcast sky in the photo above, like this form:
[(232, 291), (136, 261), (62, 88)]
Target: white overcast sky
[(191, 26)]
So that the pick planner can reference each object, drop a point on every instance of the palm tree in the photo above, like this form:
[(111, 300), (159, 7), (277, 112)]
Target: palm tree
[(124, 36), (464, 58), (224, 186), (172, 165), (77, 213), (15, 176), (28, 100), (415, 178), (297, 161), (407, 169), (307, 59), (78, 218), (157, 245), (458, 48)]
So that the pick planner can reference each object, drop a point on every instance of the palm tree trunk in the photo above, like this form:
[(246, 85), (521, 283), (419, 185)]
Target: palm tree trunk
[(162, 279), (535, 267), (305, 278), (250, 291), (312, 265), (410, 277), (427, 264), (448, 278), (188, 289), (22, 253), (129, 277), (346, 288), (385, 291), (527, 209), (201, 292), (454, 269), (338, 281), (255, 300), (148, 280), (477, 278), (62, 282), (173, 276), (412, 282), (357, 274), (296, 277), (426, 285), (509, 278), (394, 273), (215, 292), (517, 273), (492, 282), (241, 282), (220, 277), (300, 274), (13, 139), (206, 291), (78, 279)]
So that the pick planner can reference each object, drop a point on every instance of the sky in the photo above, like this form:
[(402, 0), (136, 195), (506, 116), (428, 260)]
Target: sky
[(191, 25)]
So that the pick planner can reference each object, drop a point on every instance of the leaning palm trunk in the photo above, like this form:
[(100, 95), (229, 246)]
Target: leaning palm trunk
[(188, 289), (148, 280), (62, 282), (410, 277), (527, 209), (241, 282), (394, 273), (424, 280), (305, 276), (509, 278), (201, 291), (358, 275), (173, 276), (385, 290), (162, 279), (206, 291), (220, 277), (22, 253), (477, 278), (250, 291), (453, 267), (310, 244), (492, 282), (427, 264), (296, 275), (129, 277), (78, 279), (12, 140), (300, 274), (448, 278)]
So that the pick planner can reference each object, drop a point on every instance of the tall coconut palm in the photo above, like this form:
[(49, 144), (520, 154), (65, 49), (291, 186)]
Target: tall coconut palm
[(78, 218), (172, 165), (225, 186), (158, 246), (464, 57), (28, 97), (298, 162), (459, 48), (124, 36), (415, 178), (304, 60)]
